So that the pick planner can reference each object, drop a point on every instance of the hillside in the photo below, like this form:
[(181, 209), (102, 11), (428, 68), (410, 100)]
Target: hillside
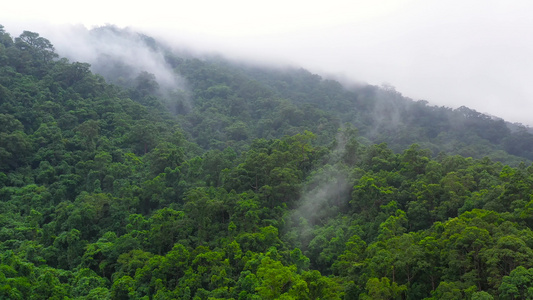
[(249, 183), (228, 102)]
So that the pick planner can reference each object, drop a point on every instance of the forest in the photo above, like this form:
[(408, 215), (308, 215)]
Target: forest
[(250, 183)]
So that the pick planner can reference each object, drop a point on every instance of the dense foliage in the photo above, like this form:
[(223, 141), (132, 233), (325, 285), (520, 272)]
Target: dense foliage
[(277, 102), (250, 191)]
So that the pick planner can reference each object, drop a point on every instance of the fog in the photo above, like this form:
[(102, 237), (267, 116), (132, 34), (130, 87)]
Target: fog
[(450, 53), (114, 50)]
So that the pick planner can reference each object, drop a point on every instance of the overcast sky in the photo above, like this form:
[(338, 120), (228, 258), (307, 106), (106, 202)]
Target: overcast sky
[(451, 53)]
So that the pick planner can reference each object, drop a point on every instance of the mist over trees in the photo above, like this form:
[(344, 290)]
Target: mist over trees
[(231, 181)]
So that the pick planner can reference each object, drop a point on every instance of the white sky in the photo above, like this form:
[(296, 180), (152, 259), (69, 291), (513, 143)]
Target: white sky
[(451, 53)]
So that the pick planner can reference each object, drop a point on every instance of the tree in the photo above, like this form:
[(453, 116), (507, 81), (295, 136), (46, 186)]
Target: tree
[(89, 130), (277, 280), (5, 38), (382, 289), (123, 288), (39, 47), (518, 284), (145, 85), (164, 155), (351, 261)]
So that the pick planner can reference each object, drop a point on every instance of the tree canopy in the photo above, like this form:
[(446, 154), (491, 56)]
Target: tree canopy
[(271, 184)]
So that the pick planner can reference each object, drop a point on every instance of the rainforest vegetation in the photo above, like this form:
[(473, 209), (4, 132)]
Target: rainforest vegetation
[(250, 183)]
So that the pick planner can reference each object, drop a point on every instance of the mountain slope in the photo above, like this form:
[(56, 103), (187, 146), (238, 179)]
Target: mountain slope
[(105, 196), (225, 103)]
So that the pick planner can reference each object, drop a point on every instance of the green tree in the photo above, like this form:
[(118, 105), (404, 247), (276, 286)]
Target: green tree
[(518, 284), (383, 289)]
